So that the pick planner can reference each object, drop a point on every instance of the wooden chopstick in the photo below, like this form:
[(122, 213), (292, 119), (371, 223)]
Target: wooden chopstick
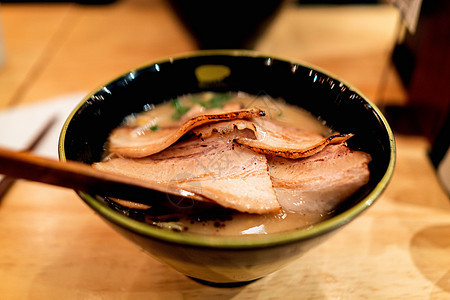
[(6, 182), (76, 175)]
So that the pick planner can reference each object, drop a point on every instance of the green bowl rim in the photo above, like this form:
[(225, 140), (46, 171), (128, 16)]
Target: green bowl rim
[(238, 242)]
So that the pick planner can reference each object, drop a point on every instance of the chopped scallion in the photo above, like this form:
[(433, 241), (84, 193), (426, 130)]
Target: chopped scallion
[(180, 110), (216, 101)]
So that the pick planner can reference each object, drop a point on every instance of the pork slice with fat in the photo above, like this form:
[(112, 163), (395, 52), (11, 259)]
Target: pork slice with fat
[(137, 143), (274, 138), (317, 184), (215, 169)]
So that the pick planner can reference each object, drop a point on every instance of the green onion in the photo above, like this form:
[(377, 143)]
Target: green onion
[(196, 100), (216, 101), (180, 110)]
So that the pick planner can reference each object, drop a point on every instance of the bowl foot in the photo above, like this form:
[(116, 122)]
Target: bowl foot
[(223, 284)]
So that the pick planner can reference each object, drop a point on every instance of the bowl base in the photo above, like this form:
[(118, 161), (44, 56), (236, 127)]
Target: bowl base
[(223, 284)]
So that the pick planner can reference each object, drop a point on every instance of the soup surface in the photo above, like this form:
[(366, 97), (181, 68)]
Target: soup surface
[(234, 164)]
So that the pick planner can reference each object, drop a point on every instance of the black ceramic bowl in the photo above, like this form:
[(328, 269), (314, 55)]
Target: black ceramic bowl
[(230, 260)]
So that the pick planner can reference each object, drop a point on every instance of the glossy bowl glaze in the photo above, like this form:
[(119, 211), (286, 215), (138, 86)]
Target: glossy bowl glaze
[(229, 261)]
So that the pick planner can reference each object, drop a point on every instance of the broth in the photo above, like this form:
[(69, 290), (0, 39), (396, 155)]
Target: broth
[(180, 213)]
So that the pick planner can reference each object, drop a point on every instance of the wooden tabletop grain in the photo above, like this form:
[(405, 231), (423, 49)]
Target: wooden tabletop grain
[(52, 246)]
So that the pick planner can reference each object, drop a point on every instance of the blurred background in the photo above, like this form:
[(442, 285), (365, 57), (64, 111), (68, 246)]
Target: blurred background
[(396, 52)]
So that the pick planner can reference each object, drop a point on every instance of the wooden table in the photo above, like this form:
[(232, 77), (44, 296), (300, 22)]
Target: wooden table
[(52, 246)]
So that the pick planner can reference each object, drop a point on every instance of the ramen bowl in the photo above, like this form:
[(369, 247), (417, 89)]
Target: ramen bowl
[(230, 260)]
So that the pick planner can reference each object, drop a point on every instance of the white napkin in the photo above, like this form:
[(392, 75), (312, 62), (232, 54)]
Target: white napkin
[(19, 125)]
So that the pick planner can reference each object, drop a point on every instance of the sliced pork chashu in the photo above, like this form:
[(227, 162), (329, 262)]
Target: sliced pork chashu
[(318, 183), (136, 142), (274, 138), (233, 177)]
